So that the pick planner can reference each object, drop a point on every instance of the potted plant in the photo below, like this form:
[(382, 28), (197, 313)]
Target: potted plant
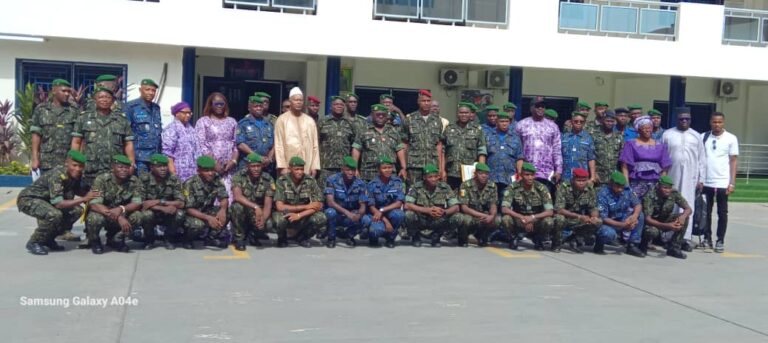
[(12, 173)]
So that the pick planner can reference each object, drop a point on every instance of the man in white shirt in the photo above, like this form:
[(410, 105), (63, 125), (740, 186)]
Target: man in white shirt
[(722, 150)]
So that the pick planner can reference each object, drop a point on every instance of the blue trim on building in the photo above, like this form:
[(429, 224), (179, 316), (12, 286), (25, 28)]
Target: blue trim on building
[(676, 97), (332, 80), (516, 90), (188, 76)]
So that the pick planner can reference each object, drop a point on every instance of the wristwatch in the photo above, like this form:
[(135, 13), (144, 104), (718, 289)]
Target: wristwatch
[(381, 210), (162, 202)]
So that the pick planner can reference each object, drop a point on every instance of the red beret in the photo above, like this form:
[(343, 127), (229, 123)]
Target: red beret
[(314, 99), (580, 172), (425, 92)]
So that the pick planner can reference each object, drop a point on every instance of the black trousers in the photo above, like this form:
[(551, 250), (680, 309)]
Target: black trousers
[(717, 194)]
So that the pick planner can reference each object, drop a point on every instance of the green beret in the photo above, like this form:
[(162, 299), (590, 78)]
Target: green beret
[(386, 96), (149, 82), (158, 159), (473, 107), (60, 82), (464, 104), (253, 158), (503, 115), (76, 156), (510, 106), (296, 161), (634, 107), (550, 113), (103, 89), (106, 77), (655, 113), (337, 97), (584, 104), (482, 167), (379, 108), (255, 99), (618, 178), (206, 162), (580, 114), (430, 169), (348, 161), (121, 159), (263, 95), (666, 181), (491, 108), (601, 103), (349, 95), (528, 167), (383, 159)]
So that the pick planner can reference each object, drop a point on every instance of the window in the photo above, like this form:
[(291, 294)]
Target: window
[(42, 73), (286, 6), (456, 12)]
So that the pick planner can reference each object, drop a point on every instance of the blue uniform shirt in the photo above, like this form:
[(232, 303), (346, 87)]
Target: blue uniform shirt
[(381, 194), (257, 134), (487, 129), (616, 207), (348, 197), (656, 135), (578, 150), (504, 149), (147, 127)]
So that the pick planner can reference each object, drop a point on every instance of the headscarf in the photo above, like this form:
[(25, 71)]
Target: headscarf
[(178, 107), (642, 121)]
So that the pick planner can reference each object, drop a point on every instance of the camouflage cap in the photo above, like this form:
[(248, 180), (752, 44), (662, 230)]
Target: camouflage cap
[(60, 82), (482, 167), (76, 156), (158, 159), (296, 161), (149, 82), (618, 178), (121, 159), (379, 108), (528, 167), (253, 158), (206, 162), (350, 162), (430, 169)]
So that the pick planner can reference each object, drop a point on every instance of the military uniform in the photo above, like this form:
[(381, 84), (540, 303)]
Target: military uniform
[(420, 225), (617, 207), (380, 195), (422, 136), (113, 195), (583, 202), (504, 150), (54, 125), (372, 144), (359, 123), (166, 190), (592, 126), (462, 146), (256, 192), (202, 196), (527, 202), (258, 134), (147, 126), (307, 191), (578, 149), (90, 105), (349, 197), (607, 150), (663, 210), (39, 198), (480, 200), (336, 136), (103, 137)]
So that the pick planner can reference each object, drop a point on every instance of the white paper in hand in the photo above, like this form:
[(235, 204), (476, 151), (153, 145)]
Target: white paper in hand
[(35, 174)]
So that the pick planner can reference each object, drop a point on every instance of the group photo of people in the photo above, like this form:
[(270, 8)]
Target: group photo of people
[(610, 178)]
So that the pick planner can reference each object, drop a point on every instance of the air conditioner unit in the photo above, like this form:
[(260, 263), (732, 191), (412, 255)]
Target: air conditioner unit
[(728, 89), (496, 79), (450, 77)]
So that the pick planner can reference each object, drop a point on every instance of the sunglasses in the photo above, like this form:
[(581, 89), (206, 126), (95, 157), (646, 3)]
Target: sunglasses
[(185, 112), (683, 119), (219, 104), (577, 121)]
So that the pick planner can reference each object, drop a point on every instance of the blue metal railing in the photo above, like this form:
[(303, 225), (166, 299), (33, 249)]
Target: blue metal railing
[(628, 17), (490, 12), (745, 26)]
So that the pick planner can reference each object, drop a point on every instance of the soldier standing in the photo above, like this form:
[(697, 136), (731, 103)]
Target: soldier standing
[(595, 125), (578, 149), (429, 208), (255, 134), (336, 136), (266, 99), (163, 202), (299, 204), (118, 209), (345, 197), (358, 122), (527, 209), (479, 205), (576, 208), (464, 145), (105, 81), (202, 191), (251, 209), (660, 209), (423, 134), (379, 139), (146, 124), (608, 145), (385, 199), (51, 200)]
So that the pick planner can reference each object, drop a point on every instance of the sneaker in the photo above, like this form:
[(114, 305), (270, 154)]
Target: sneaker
[(719, 247)]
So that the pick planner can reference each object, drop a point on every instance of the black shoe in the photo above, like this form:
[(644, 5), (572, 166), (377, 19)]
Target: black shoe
[(122, 247), (513, 244), (240, 245), (214, 242), (435, 241), (555, 248), (390, 243), (96, 248), (148, 245), (373, 242), (462, 243), (53, 246), (282, 243), (321, 235), (352, 243), (538, 245), (573, 245), (599, 249), (482, 242), (255, 242), (305, 243), (634, 250), (416, 241), (644, 246), (254, 238), (687, 246), (188, 245), (331, 243), (677, 253), (363, 235), (169, 245), (36, 248)]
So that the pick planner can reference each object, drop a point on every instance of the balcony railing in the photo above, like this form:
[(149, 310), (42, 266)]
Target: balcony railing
[(631, 18), (455, 12), (743, 26), (292, 6)]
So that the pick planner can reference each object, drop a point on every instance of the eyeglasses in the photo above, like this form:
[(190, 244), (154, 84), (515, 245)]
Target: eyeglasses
[(185, 112), (684, 119), (219, 104)]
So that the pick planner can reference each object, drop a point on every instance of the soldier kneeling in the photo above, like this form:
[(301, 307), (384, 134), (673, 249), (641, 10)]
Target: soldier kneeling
[(163, 202), (527, 209), (478, 199), (429, 208), (299, 204), (661, 215), (576, 207), (201, 192), (251, 211)]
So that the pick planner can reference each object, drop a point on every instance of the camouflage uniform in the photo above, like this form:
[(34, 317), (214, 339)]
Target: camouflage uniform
[(168, 190), (607, 150), (336, 136), (103, 136), (359, 123), (422, 137), (425, 225), (665, 211), (54, 125), (38, 200), (372, 144), (479, 200), (582, 202), (146, 126), (202, 196), (90, 105), (592, 126), (242, 217), (527, 202), (307, 191), (113, 195), (462, 146)]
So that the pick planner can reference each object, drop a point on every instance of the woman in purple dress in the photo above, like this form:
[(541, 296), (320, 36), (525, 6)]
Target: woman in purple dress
[(180, 143), (216, 137), (644, 160)]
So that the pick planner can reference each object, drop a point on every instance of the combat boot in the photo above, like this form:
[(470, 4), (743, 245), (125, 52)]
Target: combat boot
[(644, 245), (240, 245), (36, 248), (633, 250), (351, 242), (416, 240), (53, 246), (96, 247), (513, 243), (676, 253), (599, 248), (435, 240), (331, 243), (390, 243)]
